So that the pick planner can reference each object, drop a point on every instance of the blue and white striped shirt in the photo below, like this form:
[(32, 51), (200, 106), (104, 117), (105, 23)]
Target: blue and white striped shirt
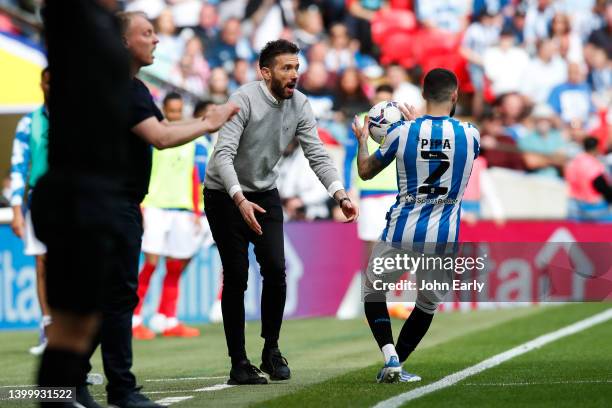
[(434, 156)]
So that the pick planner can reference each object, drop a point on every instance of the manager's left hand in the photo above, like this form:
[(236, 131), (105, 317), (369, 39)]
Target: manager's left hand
[(350, 210)]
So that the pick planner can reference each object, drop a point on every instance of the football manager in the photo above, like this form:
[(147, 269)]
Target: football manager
[(243, 205)]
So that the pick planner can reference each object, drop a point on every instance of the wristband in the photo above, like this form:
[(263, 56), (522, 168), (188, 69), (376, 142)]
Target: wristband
[(241, 201)]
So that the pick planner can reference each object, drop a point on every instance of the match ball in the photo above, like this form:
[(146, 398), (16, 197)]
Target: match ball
[(382, 116)]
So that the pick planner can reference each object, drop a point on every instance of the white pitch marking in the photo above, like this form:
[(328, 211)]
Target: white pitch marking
[(215, 387), (539, 383), (184, 379), (173, 400), (454, 378)]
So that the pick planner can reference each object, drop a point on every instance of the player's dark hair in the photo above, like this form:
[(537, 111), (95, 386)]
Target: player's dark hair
[(274, 49), (170, 96), (44, 72), (384, 88), (590, 143), (200, 107), (439, 84)]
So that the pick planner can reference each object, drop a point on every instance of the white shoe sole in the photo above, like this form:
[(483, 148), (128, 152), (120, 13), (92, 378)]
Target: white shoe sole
[(415, 378)]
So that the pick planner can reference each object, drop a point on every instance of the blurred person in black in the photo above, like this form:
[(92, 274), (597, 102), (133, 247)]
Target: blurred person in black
[(87, 208), (73, 205)]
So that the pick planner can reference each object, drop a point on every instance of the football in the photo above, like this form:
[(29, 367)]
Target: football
[(382, 116)]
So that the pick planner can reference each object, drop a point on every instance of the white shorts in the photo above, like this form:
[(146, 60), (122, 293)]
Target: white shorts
[(173, 233), (32, 246), (379, 272), (372, 220)]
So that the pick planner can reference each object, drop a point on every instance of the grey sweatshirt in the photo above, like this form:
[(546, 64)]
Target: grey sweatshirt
[(251, 144)]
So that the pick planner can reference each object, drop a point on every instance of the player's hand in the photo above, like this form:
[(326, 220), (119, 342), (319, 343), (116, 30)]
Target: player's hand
[(18, 224), (350, 210), (217, 115), (361, 132), (408, 111), (247, 209)]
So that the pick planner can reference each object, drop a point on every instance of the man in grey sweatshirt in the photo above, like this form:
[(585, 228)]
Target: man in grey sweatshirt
[(243, 206)]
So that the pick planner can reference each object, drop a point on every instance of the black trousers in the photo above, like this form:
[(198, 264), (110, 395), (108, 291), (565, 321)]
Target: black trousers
[(233, 235), (93, 237), (119, 298)]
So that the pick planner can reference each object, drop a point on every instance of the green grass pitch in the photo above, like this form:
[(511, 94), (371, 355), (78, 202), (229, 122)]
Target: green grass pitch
[(334, 363)]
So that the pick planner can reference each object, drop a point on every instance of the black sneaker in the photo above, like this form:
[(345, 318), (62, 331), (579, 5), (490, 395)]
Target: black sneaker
[(134, 400), (275, 365), (246, 373), (84, 398)]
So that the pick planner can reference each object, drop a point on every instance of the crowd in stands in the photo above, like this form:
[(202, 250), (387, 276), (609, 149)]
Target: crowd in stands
[(535, 75)]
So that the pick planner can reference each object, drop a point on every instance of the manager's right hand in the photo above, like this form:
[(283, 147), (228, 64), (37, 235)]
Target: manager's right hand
[(247, 209)]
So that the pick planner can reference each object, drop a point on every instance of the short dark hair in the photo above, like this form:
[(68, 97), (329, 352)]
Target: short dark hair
[(439, 84), (274, 49), (590, 143), (200, 106), (44, 72), (172, 96), (384, 88)]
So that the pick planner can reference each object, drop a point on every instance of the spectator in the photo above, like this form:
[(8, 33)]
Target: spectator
[(543, 73), (543, 147), (590, 188), (479, 36), (568, 42), (512, 111), (318, 52), (351, 98), (505, 64), (448, 15), (218, 86), (497, 147), (229, 46), (359, 21), (602, 38), (600, 77), (309, 29), (403, 89), (571, 100), (192, 71), (515, 23), (491, 7), (537, 22), (339, 55), (170, 47), (208, 27), (302, 194), (315, 85), (242, 74), (265, 20)]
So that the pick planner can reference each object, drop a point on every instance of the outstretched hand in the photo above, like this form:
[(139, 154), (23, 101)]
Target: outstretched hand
[(217, 115)]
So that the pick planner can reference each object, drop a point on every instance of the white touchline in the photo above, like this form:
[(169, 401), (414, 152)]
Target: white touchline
[(518, 384), (173, 400), (184, 379), (216, 387), (454, 378)]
